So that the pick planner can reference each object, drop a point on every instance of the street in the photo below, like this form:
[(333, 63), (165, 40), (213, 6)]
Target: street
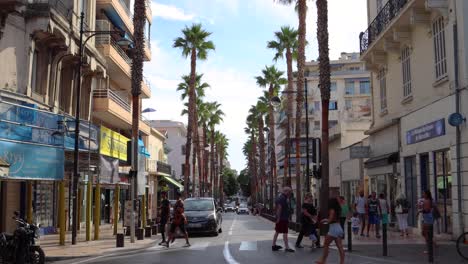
[(247, 239)]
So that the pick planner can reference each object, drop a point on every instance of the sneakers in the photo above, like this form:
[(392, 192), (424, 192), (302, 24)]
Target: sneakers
[(299, 246), (276, 248), (187, 245), (290, 250), (162, 243)]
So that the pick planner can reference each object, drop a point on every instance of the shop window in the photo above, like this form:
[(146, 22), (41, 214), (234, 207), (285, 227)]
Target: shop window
[(443, 186)]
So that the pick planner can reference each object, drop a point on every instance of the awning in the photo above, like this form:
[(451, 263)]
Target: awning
[(173, 182), (382, 160), (4, 168), (142, 149)]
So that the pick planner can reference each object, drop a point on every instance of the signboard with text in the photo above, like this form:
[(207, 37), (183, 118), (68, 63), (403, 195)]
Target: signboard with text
[(113, 144), (426, 132), (359, 152)]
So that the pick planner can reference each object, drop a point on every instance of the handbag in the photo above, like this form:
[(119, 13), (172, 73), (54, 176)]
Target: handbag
[(399, 209)]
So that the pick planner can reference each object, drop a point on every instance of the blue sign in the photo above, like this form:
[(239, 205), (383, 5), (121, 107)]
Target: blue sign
[(426, 132), (29, 161)]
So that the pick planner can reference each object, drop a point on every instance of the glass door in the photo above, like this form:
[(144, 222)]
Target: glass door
[(411, 189), (443, 182)]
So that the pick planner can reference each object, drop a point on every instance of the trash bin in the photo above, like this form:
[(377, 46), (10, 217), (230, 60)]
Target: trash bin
[(139, 233), (148, 231), (119, 240), (154, 229)]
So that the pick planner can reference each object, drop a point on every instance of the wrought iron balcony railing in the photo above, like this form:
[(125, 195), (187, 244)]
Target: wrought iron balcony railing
[(164, 167), (380, 23)]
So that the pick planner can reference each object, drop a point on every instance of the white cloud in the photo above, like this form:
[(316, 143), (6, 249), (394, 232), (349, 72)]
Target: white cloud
[(170, 12)]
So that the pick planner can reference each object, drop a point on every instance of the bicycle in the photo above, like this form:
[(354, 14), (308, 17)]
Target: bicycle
[(462, 245)]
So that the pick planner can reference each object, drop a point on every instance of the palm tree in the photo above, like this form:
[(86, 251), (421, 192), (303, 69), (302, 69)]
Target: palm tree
[(252, 129), (216, 116), (200, 87), (222, 143), (286, 43), (301, 8), (324, 82), (194, 43), (272, 79), (262, 110)]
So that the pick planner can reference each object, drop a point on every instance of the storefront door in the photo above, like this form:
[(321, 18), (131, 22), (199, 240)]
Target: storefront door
[(443, 194), (424, 171), (411, 189)]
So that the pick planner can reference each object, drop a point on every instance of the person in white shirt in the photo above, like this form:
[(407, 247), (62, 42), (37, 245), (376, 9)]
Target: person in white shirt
[(355, 223), (360, 207)]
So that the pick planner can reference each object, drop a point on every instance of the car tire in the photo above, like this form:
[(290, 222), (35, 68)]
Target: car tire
[(220, 230)]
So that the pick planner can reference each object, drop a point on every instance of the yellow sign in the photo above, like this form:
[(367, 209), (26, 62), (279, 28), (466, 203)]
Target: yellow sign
[(113, 144)]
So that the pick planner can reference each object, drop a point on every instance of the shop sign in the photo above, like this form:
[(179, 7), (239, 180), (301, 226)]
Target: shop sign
[(359, 152), (426, 132), (109, 170), (28, 161), (113, 144)]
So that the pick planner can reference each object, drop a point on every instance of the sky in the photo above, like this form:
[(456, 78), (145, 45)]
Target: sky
[(240, 30)]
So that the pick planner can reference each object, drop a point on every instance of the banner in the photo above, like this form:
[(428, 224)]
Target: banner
[(113, 144), (109, 170), (29, 161)]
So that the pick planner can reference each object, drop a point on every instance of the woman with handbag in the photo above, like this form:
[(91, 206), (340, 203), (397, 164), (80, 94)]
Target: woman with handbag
[(401, 210)]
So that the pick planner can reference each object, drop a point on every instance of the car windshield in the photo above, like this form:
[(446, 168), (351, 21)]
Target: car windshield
[(198, 205)]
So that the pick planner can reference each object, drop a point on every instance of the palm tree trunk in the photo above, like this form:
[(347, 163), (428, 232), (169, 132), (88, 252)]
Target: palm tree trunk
[(271, 125), (212, 156), (192, 102), (324, 66), (221, 166), (289, 110), (205, 158), (198, 150), (254, 159), (302, 9), (261, 142)]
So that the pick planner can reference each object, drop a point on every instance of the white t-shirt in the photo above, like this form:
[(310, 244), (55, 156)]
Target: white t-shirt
[(355, 222), (360, 205), (383, 206)]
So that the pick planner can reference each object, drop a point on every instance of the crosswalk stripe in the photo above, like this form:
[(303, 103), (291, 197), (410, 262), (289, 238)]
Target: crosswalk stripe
[(248, 246), (199, 246)]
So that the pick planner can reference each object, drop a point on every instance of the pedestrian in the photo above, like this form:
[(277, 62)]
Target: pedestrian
[(428, 212), (179, 221), (355, 222), (383, 208), (165, 214), (308, 221), (335, 232), (401, 210), (282, 220), (373, 214), (344, 213), (360, 207)]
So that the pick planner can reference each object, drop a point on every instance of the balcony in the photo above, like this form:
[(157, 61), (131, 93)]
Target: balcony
[(147, 50), (151, 166), (164, 167), (118, 9)]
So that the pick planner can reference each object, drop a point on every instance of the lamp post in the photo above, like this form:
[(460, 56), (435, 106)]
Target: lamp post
[(82, 44), (276, 101)]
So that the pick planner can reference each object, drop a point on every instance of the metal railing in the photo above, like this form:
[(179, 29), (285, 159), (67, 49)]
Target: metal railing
[(104, 25), (164, 167), (380, 23), (151, 165), (108, 93), (58, 5)]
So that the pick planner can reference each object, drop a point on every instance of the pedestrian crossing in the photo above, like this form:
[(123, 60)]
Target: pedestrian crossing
[(203, 245)]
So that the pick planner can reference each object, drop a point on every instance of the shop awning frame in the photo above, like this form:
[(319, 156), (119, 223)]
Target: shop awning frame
[(172, 181), (382, 160)]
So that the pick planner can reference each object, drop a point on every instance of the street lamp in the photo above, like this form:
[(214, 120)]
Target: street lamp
[(123, 42), (276, 102)]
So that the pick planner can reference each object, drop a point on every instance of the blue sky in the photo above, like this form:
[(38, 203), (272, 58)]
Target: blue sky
[(240, 30)]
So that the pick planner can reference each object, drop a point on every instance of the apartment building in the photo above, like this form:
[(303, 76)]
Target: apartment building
[(40, 41), (350, 115), (416, 52)]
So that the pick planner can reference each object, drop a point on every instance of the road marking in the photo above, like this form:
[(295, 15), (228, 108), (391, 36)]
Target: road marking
[(199, 246), (232, 226), (227, 255), (248, 245)]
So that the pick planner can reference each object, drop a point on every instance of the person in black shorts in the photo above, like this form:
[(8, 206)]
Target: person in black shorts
[(165, 215), (179, 221)]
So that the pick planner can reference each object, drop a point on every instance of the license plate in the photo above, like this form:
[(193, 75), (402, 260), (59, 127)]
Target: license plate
[(195, 225)]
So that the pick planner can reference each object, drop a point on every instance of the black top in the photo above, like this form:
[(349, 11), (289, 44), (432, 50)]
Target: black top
[(165, 208), (311, 210), (373, 206)]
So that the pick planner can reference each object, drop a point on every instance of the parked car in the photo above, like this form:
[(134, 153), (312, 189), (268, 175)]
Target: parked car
[(203, 216), (243, 209), (230, 208)]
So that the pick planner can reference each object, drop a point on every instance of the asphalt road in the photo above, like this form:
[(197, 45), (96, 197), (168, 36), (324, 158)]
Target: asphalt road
[(247, 239)]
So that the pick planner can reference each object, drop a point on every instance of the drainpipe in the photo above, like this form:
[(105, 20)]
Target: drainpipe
[(458, 129)]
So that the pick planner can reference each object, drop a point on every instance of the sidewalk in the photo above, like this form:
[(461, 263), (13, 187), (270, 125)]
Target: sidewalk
[(105, 245)]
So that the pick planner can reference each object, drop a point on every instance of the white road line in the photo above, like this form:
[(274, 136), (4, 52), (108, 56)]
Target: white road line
[(199, 246), (227, 255), (248, 246)]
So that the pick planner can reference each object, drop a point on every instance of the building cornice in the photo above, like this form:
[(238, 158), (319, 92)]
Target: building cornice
[(387, 124)]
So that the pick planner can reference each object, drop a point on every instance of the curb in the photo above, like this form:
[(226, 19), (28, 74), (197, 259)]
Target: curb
[(109, 253)]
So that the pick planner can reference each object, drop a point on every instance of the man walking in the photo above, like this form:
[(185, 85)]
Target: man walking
[(282, 220), (165, 214), (179, 221), (360, 208), (373, 208)]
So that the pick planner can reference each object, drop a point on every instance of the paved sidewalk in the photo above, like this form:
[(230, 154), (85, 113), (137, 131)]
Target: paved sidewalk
[(105, 245)]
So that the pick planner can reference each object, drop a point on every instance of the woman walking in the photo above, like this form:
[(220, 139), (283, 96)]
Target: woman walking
[(428, 220), (383, 208), (344, 213), (401, 210), (308, 220), (335, 232)]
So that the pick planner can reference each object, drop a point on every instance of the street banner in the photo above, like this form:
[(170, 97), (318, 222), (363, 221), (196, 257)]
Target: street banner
[(113, 144), (28, 161), (108, 170)]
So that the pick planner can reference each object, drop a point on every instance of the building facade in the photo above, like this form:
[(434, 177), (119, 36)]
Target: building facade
[(416, 51)]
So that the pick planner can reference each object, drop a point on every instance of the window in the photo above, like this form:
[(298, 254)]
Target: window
[(382, 76), (183, 149), (316, 125), (317, 105), (348, 104), (406, 68), (333, 87), (364, 87), (332, 123), (34, 69), (349, 87), (440, 57), (332, 105)]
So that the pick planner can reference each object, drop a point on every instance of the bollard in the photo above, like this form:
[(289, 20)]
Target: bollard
[(148, 231), (350, 238), (154, 229), (430, 243), (384, 238), (139, 233), (119, 240)]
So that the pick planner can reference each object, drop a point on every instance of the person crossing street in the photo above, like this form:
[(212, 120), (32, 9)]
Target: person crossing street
[(179, 221), (165, 215), (282, 220)]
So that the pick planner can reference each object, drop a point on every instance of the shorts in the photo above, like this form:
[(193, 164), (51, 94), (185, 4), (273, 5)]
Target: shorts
[(335, 230), (355, 229), (180, 226), (282, 227), (373, 219), (162, 224), (384, 218), (362, 217)]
